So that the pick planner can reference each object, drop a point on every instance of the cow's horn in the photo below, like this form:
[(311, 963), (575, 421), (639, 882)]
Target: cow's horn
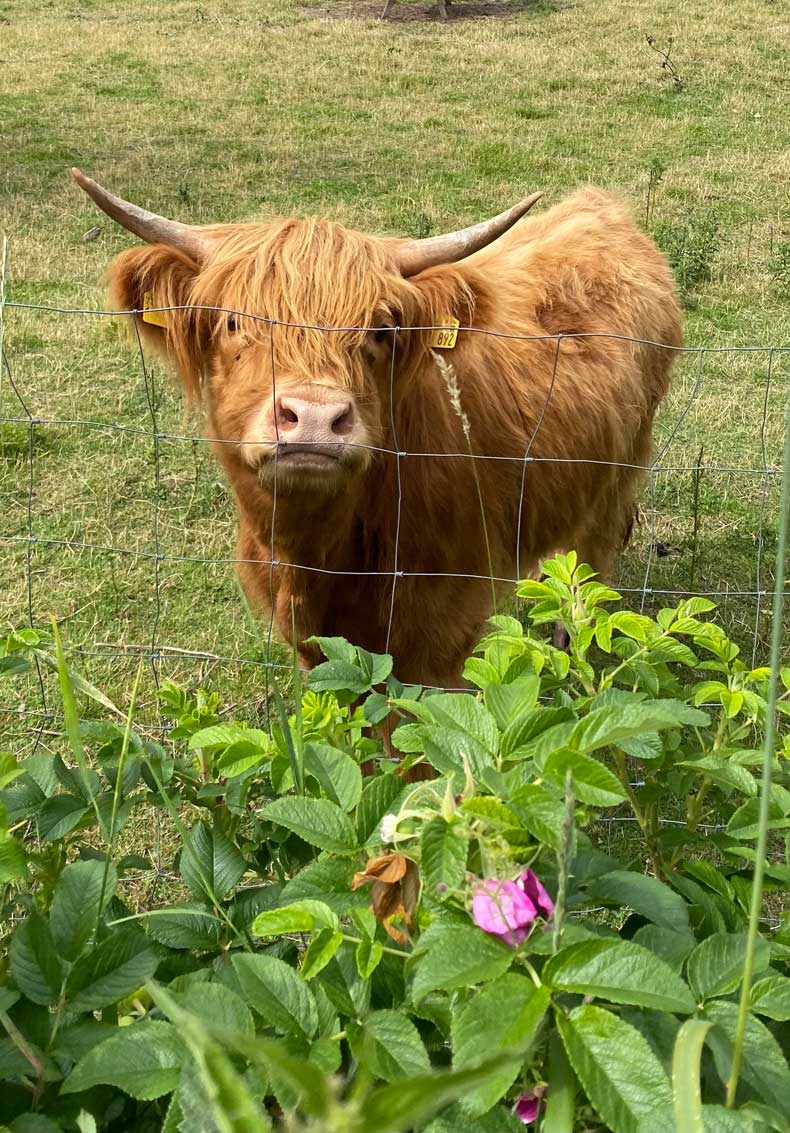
[(420, 254), (147, 225)]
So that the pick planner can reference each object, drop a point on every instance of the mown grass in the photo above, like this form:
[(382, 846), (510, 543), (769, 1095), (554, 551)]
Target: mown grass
[(208, 111)]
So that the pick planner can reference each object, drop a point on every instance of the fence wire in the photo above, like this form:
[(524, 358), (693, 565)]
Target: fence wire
[(19, 409)]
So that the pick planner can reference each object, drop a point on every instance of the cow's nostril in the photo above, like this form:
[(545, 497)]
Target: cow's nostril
[(288, 416), (344, 423)]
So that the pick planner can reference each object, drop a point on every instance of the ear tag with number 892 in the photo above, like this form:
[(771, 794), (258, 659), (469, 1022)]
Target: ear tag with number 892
[(445, 338)]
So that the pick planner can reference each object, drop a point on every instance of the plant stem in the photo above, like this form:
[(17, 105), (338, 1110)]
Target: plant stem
[(768, 757)]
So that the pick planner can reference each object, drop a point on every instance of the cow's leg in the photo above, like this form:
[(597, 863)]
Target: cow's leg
[(387, 9), (443, 9)]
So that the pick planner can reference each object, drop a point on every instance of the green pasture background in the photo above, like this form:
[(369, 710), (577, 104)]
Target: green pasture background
[(212, 111)]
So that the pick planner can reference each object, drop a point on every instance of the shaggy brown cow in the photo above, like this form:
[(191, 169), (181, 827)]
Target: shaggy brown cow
[(351, 451)]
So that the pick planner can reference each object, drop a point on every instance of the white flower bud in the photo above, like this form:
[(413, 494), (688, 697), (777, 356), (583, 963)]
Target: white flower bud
[(388, 828)]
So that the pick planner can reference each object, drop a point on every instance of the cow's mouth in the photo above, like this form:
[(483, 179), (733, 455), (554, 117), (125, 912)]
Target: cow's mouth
[(302, 455)]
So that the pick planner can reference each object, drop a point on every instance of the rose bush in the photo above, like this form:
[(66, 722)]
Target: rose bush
[(351, 954)]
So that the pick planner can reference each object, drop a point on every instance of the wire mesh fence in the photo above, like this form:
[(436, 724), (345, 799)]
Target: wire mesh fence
[(120, 524)]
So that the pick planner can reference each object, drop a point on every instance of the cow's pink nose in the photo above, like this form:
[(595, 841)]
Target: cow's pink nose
[(313, 421)]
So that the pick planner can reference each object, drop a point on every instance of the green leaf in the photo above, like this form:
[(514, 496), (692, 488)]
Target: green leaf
[(763, 1067), (715, 967), (120, 964), (338, 676), (511, 703), (211, 865), (143, 1060), (13, 863), (608, 725), (34, 963), (9, 769), (540, 812), (456, 955), (327, 880), (619, 1072), (277, 993), (320, 951), (368, 956), (317, 821), (337, 774), (771, 997), (717, 1119), (443, 850), (645, 895), (59, 815), (672, 947), (389, 1045), (335, 648), (407, 1104), (502, 1017), (592, 782), (378, 797), (187, 926), (300, 916), (620, 971), (686, 1070), (218, 1005), (80, 896), (225, 735)]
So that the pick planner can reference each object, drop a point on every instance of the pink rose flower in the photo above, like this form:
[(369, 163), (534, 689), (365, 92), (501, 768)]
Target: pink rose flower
[(503, 909), (529, 883), (526, 1108)]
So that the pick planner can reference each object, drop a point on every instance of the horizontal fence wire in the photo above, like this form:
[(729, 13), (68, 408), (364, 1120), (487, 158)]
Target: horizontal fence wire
[(22, 414)]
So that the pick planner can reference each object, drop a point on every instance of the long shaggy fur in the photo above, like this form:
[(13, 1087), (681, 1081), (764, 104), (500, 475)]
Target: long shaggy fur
[(581, 407)]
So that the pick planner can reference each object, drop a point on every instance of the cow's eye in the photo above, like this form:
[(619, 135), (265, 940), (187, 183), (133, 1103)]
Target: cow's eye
[(383, 334), (233, 325)]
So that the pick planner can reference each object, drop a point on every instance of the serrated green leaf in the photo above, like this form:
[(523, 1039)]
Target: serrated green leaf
[(184, 926), (592, 782), (81, 894), (389, 1045), (211, 865), (13, 862), (337, 774), (378, 798), (672, 947), (715, 967), (338, 676), (319, 952), (34, 963), (645, 895), (619, 1072), (143, 1060), (503, 1016), (408, 1103), (763, 1068), (771, 997), (218, 1005), (59, 815), (318, 821), (116, 967), (604, 726), (456, 955), (299, 916), (539, 812), (277, 993), (621, 972), (443, 850), (368, 956)]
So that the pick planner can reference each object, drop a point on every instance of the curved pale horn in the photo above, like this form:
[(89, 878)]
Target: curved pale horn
[(147, 225), (417, 255)]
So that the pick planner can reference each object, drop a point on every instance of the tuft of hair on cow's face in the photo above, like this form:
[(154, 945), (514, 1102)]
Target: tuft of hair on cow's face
[(303, 407)]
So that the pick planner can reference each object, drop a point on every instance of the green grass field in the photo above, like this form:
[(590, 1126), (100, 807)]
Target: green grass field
[(227, 112)]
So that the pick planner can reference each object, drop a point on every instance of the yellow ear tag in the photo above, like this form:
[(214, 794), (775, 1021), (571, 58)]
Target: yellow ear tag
[(158, 318), (445, 338)]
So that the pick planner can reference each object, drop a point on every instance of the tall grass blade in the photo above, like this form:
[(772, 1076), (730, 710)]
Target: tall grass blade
[(768, 756)]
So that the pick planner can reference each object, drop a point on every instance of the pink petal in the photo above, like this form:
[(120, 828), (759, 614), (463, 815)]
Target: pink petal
[(503, 909), (530, 884), (526, 1108)]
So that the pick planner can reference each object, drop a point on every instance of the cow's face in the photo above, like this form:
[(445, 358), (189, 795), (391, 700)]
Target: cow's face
[(289, 330), (306, 410)]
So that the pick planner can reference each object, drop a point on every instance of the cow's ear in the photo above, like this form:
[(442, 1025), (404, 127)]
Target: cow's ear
[(160, 276)]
